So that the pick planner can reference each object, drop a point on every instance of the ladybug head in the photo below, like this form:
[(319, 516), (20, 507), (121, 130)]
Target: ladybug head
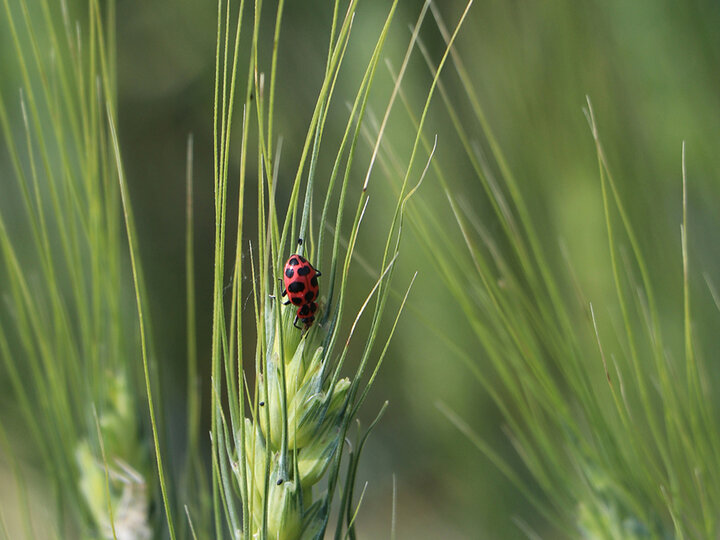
[(306, 313)]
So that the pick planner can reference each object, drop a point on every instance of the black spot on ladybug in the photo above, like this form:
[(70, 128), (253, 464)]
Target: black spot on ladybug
[(293, 261), (313, 307), (296, 287), (309, 296), (303, 271), (313, 281), (297, 301), (302, 259), (304, 311), (290, 272)]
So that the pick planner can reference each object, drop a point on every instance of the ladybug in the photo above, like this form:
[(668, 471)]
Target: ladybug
[(300, 280)]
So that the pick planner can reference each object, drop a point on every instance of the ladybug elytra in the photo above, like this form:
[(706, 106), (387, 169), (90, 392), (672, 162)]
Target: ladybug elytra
[(301, 287)]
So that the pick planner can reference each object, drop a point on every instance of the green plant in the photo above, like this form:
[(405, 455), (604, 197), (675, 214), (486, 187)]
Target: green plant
[(67, 340), (615, 426), (271, 452)]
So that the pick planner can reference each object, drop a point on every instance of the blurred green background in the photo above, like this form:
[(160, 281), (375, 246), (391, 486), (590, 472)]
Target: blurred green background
[(652, 70)]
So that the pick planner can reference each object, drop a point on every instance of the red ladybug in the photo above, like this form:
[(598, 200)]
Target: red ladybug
[(301, 285)]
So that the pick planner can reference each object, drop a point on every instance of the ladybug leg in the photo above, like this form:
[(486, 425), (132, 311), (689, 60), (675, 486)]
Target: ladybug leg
[(286, 303), (295, 323), (318, 274)]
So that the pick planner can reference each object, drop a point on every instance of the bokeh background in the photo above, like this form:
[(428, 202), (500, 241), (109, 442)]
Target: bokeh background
[(652, 71)]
